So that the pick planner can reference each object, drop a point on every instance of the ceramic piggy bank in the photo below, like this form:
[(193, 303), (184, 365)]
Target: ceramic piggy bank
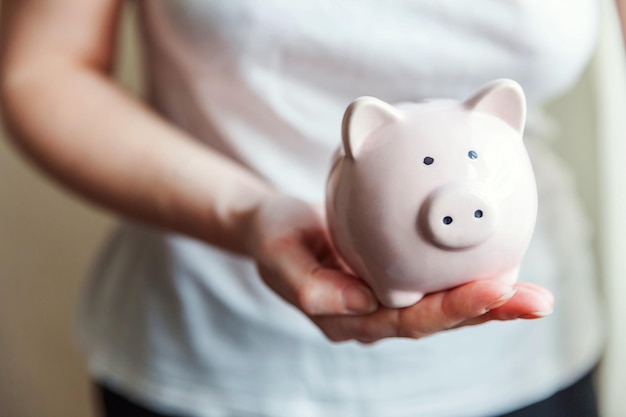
[(425, 196)]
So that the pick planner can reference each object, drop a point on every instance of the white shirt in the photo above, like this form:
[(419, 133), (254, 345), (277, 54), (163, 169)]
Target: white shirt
[(188, 328)]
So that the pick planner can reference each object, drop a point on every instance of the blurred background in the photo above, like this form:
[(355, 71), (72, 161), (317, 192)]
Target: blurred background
[(48, 237)]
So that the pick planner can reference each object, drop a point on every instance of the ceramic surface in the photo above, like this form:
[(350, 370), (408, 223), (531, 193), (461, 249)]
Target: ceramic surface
[(426, 196)]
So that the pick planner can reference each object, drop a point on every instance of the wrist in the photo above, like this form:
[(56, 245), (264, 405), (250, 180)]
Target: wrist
[(238, 215)]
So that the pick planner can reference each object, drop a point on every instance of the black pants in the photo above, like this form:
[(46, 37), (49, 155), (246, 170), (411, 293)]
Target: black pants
[(578, 400)]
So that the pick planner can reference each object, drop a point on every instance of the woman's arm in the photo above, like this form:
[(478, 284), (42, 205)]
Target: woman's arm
[(72, 120), (64, 111), (67, 115)]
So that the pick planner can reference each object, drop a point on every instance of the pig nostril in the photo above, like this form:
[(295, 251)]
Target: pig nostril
[(478, 214), (447, 220)]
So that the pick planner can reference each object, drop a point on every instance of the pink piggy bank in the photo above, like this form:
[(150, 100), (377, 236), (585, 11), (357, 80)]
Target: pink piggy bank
[(425, 196)]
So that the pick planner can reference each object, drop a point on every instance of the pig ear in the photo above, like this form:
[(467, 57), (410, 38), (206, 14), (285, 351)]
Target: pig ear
[(362, 117), (503, 99)]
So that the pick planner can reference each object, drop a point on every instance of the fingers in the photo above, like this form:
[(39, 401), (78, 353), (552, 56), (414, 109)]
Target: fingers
[(470, 304), (299, 277), (530, 302), (447, 309), (434, 313), (289, 242)]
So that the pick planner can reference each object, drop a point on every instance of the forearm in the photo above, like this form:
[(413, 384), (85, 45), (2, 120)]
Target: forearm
[(101, 142)]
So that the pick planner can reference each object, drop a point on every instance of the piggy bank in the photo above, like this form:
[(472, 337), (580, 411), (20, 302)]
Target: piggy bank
[(426, 196)]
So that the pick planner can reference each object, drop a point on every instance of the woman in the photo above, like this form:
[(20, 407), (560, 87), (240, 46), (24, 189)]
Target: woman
[(220, 178)]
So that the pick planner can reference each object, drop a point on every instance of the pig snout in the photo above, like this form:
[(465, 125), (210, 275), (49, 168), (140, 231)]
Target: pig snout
[(457, 216)]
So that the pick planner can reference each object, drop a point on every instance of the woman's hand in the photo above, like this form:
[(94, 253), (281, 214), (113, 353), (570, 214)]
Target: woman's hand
[(290, 244)]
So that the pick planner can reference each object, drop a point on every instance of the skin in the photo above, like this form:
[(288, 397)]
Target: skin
[(69, 117)]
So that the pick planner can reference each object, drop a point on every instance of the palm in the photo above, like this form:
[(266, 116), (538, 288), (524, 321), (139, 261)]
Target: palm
[(294, 257)]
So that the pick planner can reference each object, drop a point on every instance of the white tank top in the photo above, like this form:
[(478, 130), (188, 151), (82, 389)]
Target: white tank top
[(187, 328)]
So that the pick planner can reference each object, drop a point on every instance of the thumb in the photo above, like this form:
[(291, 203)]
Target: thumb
[(299, 277)]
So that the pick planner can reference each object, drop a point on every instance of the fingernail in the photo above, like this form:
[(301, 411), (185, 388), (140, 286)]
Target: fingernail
[(500, 301), (536, 315), (357, 300)]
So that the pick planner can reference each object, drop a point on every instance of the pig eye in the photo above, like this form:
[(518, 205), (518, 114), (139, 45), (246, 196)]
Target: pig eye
[(472, 155), (428, 160)]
